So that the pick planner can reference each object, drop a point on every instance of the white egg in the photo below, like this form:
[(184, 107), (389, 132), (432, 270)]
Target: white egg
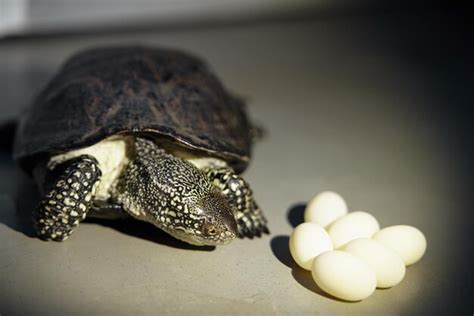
[(352, 226), (387, 264), (325, 208), (408, 241), (307, 241), (343, 275)]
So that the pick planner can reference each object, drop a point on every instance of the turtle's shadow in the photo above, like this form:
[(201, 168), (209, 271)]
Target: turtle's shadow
[(145, 231), (26, 198), (21, 197)]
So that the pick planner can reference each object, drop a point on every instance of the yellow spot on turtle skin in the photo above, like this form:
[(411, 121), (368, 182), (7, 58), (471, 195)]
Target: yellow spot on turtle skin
[(76, 185), (82, 207), (88, 197), (52, 202), (69, 180), (59, 196), (85, 183), (77, 174), (64, 220), (74, 213), (69, 202)]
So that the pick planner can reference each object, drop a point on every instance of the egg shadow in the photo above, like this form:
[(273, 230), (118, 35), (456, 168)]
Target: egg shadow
[(280, 249), (295, 214)]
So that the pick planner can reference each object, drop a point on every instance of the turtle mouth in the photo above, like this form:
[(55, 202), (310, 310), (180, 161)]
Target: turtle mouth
[(196, 238)]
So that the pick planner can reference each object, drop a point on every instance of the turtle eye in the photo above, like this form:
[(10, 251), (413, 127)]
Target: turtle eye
[(210, 230)]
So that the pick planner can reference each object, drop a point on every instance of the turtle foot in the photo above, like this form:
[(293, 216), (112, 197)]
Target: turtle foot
[(252, 223), (68, 200)]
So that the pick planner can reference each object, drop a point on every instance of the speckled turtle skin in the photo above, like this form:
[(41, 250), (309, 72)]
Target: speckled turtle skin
[(159, 103), (121, 90)]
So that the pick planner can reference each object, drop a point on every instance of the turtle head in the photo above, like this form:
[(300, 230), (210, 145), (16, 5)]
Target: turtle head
[(208, 221), (176, 196)]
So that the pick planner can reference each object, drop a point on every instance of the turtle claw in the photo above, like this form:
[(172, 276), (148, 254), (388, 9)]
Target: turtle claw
[(244, 232), (252, 223)]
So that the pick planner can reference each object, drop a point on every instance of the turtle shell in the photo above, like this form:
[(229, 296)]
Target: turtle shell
[(139, 90)]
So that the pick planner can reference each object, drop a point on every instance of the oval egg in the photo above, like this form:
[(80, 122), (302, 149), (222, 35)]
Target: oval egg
[(408, 241), (343, 275), (352, 226), (325, 208), (387, 264), (307, 241)]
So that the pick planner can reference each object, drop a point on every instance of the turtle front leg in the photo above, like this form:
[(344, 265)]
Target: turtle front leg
[(70, 189), (249, 216)]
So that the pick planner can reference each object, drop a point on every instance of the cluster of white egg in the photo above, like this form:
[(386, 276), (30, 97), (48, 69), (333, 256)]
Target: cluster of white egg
[(349, 256)]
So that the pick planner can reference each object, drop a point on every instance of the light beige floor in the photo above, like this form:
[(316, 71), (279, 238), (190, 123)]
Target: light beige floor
[(348, 105)]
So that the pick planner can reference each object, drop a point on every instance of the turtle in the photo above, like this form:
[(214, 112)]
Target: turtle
[(144, 132)]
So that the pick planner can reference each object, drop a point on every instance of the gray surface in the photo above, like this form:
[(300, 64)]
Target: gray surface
[(365, 107)]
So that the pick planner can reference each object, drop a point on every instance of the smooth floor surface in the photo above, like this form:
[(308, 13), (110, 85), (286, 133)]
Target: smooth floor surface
[(367, 107)]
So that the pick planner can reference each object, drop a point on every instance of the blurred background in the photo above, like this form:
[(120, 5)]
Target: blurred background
[(372, 99), (33, 17), (20, 17)]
